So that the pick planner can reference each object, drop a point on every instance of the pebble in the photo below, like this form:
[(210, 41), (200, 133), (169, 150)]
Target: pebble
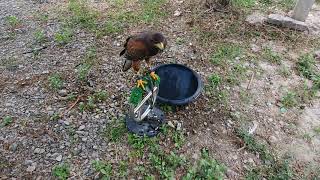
[(179, 126), (67, 123), (13, 147), (170, 124), (39, 151), (59, 158), (63, 92), (272, 139), (81, 127), (177, 13), (32, 167)]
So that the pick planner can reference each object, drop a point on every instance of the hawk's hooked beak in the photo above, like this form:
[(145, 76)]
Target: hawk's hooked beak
[(160, 46)]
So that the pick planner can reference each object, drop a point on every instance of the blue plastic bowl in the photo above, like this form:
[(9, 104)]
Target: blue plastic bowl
[(179, 85)]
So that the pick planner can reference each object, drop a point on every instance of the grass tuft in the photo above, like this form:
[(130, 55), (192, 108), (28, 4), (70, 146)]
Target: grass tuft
[(61, 171), (55, 81)]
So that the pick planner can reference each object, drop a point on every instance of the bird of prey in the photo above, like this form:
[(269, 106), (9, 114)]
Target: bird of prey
[(140, 47)]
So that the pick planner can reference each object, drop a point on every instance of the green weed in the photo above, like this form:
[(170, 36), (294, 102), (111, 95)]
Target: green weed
[(180, 41), (82, 15), (83, 71), (215, 81), (105, 169), (64, 36), (61, 171), (84, 68), (306, 66), (55, 117), (7, 120), (278, 170), (271, 56), (284, 71), (13, 21), (115, 131), (55, 81), (178, 139), (152, 10), (252, 145), (206, 168), (40, 36), (225, 53), (244, 3), (289, 100), (317, 130), (100, 96)]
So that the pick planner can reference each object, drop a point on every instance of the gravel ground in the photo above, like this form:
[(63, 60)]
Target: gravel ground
[(34, 143)]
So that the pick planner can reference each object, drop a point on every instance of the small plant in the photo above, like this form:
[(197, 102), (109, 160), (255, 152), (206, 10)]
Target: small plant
[(225, 53), (82, 106), (115, 131), (178, 138), (316, 82), (306, 65), (40, 36), (166, 108), (252, 145), (64, 36), (61, 171), (13, 21), (276, 170), (7, 120), (317, 130), (105, 169), (206, 168), (123, 169), (55, 117), (83, 71), (43, 17), (289, 100), (180, 41), (82, 15), (151, 10), (271, 56), (55, 81), (100, 95), (215, 80), (284, 71), (137, 142), (243, 3)]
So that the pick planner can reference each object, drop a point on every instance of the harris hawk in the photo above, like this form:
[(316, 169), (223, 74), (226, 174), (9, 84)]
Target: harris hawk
[(140, 47)]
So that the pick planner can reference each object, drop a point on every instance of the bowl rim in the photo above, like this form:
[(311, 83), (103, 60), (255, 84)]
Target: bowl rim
[(190, 99)]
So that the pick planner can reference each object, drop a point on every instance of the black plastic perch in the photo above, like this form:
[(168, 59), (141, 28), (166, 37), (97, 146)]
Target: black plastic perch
[(179, 85)]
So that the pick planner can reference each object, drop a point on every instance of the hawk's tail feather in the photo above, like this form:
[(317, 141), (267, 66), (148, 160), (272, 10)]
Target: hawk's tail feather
[(122, 52), (127, 65)]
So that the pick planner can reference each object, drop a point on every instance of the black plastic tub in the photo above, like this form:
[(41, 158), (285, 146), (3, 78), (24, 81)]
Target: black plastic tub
[(179, 85)]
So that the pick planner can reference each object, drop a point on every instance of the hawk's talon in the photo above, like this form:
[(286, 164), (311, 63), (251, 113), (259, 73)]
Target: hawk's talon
[(154, 76), (141, 83)]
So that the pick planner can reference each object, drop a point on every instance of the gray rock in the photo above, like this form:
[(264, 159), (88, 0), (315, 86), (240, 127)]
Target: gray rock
[(59, 158), (171, 124), (63, 92), (255, 48), (13, 147), (32, 167), (39, 151), (284, 21), (179, 125), (256, 18), (81, 127)]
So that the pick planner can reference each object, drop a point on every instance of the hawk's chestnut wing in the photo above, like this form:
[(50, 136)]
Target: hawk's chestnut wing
[(136, 50)]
